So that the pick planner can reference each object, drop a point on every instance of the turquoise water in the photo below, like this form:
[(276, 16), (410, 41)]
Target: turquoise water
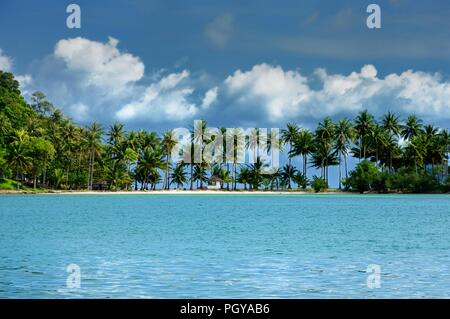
[(255, 246)]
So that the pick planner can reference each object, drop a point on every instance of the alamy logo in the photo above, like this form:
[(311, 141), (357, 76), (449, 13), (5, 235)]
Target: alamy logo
[(374, 276), (212, 145), (374, 19), (74, 278), (74, 19)]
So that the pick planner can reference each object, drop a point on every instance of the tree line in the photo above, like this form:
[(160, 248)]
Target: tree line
[(41, 148)]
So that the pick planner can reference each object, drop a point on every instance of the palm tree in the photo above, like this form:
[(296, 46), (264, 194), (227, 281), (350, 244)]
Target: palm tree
[(344, 135), (416, 150), (169, 142), (151, 159), (244, 176), (288, 172), (378, 140), (363, 124), (272, 145), (253, 143), (324, 153), (198, 133), (200, 175), (233, 145), (289, 135), (18, 160), (301, 180), (303, 146), (412, 127), (179, 176), (391, 123), (93, 141), (256, 171), (115, 133)]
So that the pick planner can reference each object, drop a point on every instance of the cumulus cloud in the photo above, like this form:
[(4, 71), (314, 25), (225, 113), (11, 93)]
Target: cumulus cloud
[(220, 30), (209, 98), (168, 99), (286, 95), (5, 62), (279, 93), (101, 64), (84, 78)]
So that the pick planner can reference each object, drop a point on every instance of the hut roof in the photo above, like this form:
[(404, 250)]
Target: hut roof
[(215, 178)]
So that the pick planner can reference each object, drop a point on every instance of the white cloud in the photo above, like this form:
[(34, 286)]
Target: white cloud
[(101, 64), (168, 99), (5, 62), (286, 95), (220, 30), (209, 98), (95, 81), (79, 111), (280, 93)]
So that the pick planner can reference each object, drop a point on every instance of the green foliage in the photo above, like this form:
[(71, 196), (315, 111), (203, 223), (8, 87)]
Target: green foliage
[(364, 177), (408, 180), (12, 104), (8, 184), (319, 184), (301, 180)]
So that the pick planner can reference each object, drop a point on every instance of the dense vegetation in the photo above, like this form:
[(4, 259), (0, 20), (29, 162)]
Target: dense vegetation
[(41, 148)]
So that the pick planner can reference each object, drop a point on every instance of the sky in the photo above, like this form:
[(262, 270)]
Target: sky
[(162, 64)]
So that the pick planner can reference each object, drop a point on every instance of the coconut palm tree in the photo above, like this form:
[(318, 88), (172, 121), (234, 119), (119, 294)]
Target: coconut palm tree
[(324, 153), (150, 160), (288, 172), (115, 134), (93, 142), (257, 173), (289, 135), (235, 149), (301, 180), (200, 176), (169, 142), (344, 135), (412, 127), (18, 160), (391, 124), (244, 176), (253, 143), (416, 150), (363, 124), (303, 146), (179, 176), (272, 145)]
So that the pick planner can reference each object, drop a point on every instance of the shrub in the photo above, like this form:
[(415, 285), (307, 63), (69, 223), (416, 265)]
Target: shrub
[(408, 180), (319, 184), (301, 180), (364, 177)]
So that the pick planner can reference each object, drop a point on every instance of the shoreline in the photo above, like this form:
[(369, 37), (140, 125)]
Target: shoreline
[(161, 192), (197, 192)]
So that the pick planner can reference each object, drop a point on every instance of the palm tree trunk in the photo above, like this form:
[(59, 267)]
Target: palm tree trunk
[(360, 148), (305, 159), (192, 173), (346, 169), (235, 175), (340, 173)]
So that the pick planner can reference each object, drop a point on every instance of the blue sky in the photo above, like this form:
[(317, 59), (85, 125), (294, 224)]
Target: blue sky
[(159, 64)]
